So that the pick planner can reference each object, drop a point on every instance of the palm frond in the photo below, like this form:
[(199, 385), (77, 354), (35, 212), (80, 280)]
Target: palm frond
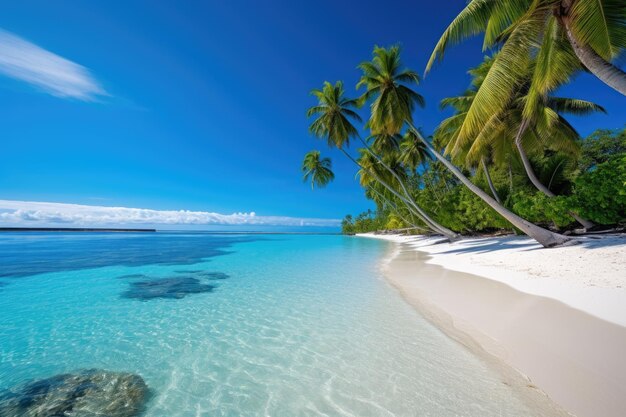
[(573, 106), (507, 72), (504, 13), (590, 25), (555, 62), (472, 20)]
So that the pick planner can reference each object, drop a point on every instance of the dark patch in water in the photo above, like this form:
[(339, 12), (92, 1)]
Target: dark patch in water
[(37, 253), (212, 275), (204, 274), (131, 276), (91, 392), (175, 288)]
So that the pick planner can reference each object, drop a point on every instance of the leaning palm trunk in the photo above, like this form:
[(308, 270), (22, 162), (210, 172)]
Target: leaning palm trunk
[(545, 237), (408, 198), (414, 208), (394, 207), (491, 187), (533, 177), (605, 71), (435, 227)]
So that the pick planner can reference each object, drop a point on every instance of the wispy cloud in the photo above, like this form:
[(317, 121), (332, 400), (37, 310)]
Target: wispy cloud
[(30, 213), (52, 73)]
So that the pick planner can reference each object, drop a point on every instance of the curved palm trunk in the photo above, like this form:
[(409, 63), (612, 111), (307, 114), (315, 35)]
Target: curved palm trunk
[(491, 187), (605, 71), (526, 162), (442, 229), (545, 237), (419, 213), (533, 177), (395, 208), (414, 208)]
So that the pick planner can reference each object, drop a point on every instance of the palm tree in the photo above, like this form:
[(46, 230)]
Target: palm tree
[(544, 127), (400, 105), (334, 113), (381, 200), (384, 143), (384, 79), (597, 34), (564, 35), (413, 153), (448, 130), (371, 171), (317, 170), (534, 59), (545, 237)]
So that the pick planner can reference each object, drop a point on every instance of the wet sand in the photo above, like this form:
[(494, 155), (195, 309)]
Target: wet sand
[(576, 359)]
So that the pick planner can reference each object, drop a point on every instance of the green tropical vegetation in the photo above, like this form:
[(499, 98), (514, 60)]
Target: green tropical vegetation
[(317, 170), (507, 159), (594, 185)]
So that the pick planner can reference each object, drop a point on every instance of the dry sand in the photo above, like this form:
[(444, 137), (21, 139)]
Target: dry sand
[(558, 316)]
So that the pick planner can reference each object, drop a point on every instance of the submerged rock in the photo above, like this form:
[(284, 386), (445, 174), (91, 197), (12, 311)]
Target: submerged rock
[(87, 393), (177, 287)]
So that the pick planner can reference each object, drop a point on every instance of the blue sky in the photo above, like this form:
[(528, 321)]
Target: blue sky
[(200, 105)]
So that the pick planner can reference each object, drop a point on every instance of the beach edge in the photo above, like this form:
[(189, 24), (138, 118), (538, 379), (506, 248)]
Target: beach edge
[(554, 371)]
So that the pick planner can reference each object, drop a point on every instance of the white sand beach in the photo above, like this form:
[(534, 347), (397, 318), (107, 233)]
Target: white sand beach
[(558, 316)]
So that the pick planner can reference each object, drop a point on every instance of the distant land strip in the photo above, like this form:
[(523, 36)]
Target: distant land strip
[(69, 229)]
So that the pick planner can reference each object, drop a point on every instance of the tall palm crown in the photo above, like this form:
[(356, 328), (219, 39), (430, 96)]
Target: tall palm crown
[(372, 170), (317, 170), (384, 80), (547, 127), (537, 37), (385, 143), (334, 112), (412, 151)]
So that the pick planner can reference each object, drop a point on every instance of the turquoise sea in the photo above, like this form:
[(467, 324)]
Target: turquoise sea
[(234, 325)]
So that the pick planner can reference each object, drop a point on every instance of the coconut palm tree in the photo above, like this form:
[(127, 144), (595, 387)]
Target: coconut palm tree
[(545, 237), (334, 113), (597, 34), (534, 59), (317, 170), (385, 82), (381, 199), (393, 172), (386, 113), (384, 143), (564, 35), (545, 128), (447, 132), (413, 153)]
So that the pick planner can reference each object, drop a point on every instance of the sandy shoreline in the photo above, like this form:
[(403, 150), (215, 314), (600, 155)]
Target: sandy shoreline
[(549, 314)]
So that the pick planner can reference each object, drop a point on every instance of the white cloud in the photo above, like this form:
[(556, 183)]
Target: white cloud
[(33, 214), (54, 74)]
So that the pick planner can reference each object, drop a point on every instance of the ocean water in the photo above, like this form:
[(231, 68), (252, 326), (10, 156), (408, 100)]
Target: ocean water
[(234, 325)]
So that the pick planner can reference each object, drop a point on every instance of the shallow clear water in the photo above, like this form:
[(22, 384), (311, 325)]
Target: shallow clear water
[(273, 325)]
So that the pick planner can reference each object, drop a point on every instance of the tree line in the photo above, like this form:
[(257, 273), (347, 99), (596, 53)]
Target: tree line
[(507, 158)]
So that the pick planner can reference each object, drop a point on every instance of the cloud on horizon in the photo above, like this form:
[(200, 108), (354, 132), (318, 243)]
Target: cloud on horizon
[(35, 214), (52, 73)]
